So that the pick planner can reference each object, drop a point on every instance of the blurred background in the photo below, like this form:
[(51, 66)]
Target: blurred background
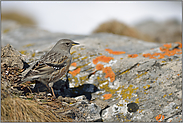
[(154, 21)]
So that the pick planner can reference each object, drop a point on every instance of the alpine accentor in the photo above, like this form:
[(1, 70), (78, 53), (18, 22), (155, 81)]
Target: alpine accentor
[(53, 65)]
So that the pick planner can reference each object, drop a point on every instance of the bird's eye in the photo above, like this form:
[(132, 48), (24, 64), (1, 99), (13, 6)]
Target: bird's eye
[(67, 44)]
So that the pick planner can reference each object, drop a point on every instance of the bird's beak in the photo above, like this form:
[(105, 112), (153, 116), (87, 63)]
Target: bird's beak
[(75, 44)]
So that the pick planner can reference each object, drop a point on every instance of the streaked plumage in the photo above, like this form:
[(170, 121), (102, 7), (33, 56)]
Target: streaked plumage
[(53, 65)]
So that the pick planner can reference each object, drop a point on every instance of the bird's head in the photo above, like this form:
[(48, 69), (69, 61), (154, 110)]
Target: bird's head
[(65, 44)]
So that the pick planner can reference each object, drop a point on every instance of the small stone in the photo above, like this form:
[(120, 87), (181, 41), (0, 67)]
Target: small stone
[(80, 98), (132, 107), (102, 104)]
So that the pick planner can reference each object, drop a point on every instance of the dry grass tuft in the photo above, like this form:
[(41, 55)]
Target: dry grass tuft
[(19, 18), (19, 110), (119, 28)]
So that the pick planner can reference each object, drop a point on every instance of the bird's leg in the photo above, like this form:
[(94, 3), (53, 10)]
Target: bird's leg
[(51, 91), (29, 89), (67, 80)]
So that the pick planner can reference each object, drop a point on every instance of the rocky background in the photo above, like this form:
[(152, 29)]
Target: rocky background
[(112, 78)]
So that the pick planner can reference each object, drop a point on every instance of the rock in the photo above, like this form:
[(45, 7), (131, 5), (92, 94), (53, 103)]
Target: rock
[(90, 113), (117, 70), (11, 57), (102, 104)]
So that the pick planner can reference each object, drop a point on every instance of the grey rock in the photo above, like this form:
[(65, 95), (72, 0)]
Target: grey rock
[(153, 84), (11, 57)]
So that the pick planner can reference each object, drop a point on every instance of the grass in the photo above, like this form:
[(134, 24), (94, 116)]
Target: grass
[(20, 110), (19, 18), (119, 28)]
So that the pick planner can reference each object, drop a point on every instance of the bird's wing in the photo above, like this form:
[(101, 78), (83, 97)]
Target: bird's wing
[(44, 67)]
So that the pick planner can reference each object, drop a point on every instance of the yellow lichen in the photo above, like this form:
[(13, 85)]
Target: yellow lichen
[(29, 45), (127, 92), (6, 30), (82, 48), (23, 52), (83, 65), (147, 86), (84, 58), (139, 75), (33, 54), (137, 100), (128, 70), (73, 52)]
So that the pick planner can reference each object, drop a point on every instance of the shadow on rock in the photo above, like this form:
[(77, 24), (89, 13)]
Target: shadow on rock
[(61, 88), (85, 89)]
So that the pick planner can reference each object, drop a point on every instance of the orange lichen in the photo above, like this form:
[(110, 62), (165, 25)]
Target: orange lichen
[(109, 73), (115, 52), (163, 49), (165, 52), (156, 54), (109, 50), (167, 45), (161, 56), (160, 117), (180, 44), (102, 59), (107, 96), (152, 57), (163, 117), (74, 64), (75, 72), (132, 55), (147, 55), (99, 66)]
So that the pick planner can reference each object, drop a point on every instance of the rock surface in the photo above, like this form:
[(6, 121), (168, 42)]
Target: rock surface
[(134, 80)]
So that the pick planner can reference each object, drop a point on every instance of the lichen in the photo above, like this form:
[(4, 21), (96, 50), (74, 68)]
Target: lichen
[(102, 59), (115, 52), (107, 96), (132, 55), (75, 72)]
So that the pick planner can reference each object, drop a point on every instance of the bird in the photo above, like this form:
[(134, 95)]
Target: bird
[(53, 65)]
